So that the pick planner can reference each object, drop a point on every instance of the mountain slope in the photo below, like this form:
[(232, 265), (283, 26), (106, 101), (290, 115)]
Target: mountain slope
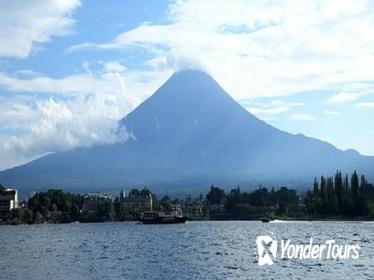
[(190, 134)]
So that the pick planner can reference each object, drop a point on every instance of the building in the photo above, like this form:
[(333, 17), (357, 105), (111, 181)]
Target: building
[(193, 208), (141, 201), (8, 200), (91, 201)]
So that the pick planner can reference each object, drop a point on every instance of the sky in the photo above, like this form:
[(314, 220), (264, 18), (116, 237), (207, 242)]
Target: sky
[(69, 70)]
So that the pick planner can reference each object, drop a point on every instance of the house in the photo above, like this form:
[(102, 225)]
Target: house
[(91, 201), (193, 208), (142, 201), (8, 199)]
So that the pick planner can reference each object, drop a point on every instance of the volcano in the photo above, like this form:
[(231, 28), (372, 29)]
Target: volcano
[(188, 135)]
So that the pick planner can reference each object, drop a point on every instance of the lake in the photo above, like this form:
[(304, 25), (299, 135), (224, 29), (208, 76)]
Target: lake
[(196, 250)]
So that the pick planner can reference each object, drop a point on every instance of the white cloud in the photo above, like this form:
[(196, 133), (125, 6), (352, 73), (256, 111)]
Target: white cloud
[(268, 110), (343, 97), (84, 111), (140, 84), (365, 105), (61, 125), (257, 48), (68, 85), (332, 113), (16, 113), (57, 124), (279, 109), (114, 66), (26, 23), (303, 117), (253, 48)]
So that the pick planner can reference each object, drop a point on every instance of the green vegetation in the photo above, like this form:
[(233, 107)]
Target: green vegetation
[(104, 212), (338, 197), (130, 208), (341, 196), (254, 205), (53, 206), (215, 195), (335, 197)]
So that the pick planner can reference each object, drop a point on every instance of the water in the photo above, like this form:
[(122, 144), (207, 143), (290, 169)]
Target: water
[(196, 250)]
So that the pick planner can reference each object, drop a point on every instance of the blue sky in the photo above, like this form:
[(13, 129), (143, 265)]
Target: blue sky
[(69, 70)]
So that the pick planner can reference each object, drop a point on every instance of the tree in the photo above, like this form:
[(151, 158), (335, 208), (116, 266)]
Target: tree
[(273, 197), (38, 218), (165, 203), (315, 187), (259, 197), (286, 199), (233, 198), (117, 208), (105, 211), (144, 192), (355, 191), (134, 193), (363, 185), (323, 195), (362, 203), (338, 182), (215, 195), (201, 196), (313, 204), (346, 187), (331, 198), (309, 202)]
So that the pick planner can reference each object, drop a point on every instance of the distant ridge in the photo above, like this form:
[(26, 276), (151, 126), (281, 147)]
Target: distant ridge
[(189, 134)]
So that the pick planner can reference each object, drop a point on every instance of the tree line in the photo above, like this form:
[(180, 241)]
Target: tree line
[(340, 195), (238, 204), (57, 206), (336, 196), (53, 206)]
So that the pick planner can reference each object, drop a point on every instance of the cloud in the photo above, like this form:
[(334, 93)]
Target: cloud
[(279, 109), (256, 48), (78, 111), (365, 105), (59, 126), (252, 48), (343, 97), (16, 113), (81, 83), (139, 83), (179, 62), (62, 125), (114, 66), (303, 117), (332, 113), (268, 110), (27, 23)]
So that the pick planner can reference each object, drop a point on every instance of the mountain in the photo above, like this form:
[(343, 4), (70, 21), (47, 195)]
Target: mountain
[(188, 135)]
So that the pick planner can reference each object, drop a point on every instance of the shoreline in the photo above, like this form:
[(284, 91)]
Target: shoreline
[(274, 221)]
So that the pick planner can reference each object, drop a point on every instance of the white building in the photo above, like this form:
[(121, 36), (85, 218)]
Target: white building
[(8, 200)]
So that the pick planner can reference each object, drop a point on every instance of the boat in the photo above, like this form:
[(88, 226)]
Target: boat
[(265, 220), (173, 217)]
